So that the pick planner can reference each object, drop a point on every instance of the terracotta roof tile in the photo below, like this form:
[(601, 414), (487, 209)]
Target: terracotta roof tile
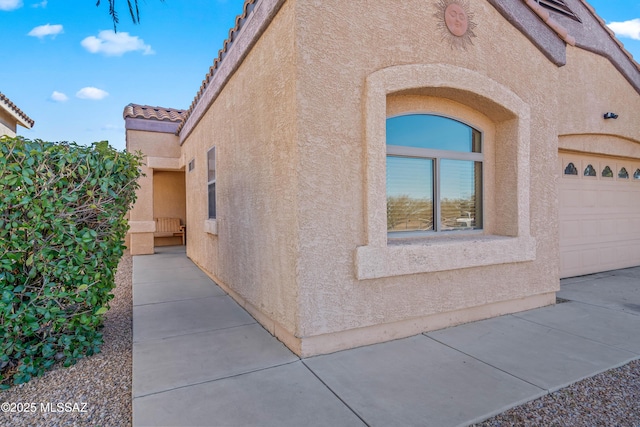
[(233, 32), (136, 111), (26, 120)]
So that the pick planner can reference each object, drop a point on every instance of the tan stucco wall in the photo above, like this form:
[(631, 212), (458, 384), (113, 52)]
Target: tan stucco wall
[(169, 201), (586, 96), (162, 149), (252, 126), (339, 46), (300, 179)]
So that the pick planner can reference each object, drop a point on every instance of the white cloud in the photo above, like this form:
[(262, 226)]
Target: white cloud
[(46, 30), (59, 96), (115, 44), (10, 4), (92, 93), (629, 28), (42, 4)]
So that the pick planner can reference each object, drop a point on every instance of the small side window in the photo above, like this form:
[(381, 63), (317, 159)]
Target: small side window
[(211, 181), (623, 174), (636, 174), (571, 169), (192, 165), (607, 172), (590, 171)]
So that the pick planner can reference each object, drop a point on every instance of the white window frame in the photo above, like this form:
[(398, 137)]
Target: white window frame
[(436, 155)]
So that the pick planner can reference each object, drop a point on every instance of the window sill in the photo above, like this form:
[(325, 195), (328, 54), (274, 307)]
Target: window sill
[(211, 226), (414, 256)]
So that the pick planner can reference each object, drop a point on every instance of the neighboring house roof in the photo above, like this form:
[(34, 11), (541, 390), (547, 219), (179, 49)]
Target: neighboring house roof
[(162, 114), (21, 118)]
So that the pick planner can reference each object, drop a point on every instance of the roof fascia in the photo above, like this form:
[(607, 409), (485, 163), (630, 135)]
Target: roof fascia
[(256, 24), (529, 23), (151, 125)]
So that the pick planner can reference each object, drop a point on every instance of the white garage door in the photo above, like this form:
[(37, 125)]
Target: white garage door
[(599, 213)]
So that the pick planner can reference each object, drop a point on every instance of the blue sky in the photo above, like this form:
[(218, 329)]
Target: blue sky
[(161, 61), (63, 66)]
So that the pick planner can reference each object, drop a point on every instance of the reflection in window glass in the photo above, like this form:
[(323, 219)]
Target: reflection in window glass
[(571, 169), (211, 182), (590, 171), (460, 194), (623, 174), (434, 175), (607, 172), (212, 200), (636, 174), (434, 132), (409, 194)]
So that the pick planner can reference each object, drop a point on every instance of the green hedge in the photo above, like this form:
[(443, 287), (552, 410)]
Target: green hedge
[(62, 229)]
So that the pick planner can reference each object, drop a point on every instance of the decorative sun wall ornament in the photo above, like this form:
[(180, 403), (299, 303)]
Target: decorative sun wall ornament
[(455, 21)]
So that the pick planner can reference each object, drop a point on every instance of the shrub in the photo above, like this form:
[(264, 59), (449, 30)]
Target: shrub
[(62, 229)]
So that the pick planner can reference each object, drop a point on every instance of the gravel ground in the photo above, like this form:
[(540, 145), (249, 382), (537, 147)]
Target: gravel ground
[(102, 382), (608, 399)]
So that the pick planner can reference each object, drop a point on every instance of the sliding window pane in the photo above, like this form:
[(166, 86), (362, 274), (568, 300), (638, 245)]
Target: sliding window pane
[(460, 195), (409, 194)]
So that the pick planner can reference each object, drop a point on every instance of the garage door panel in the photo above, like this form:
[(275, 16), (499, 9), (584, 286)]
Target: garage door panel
[(610, 240), (587, 258), (589, 199), (599, 216), (569, 198), (591, 230), (611, 227)]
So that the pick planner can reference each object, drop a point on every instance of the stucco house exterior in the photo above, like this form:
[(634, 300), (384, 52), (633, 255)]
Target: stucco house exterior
[(356, 172), (11, 116)]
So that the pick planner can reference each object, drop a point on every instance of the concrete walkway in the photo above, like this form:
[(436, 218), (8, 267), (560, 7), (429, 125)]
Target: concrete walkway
[(201, 360)]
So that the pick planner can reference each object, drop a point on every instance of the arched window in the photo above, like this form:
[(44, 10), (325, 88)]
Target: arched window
[(623, 174), (434, 174), (571, 169), (607, 172), (636, 174), (590, 171)]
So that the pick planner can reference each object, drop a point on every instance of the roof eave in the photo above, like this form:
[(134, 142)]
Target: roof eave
[(19, 117), (256, 17)]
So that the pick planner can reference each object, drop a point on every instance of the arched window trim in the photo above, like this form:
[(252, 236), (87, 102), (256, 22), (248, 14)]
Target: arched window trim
[(511, 241)]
